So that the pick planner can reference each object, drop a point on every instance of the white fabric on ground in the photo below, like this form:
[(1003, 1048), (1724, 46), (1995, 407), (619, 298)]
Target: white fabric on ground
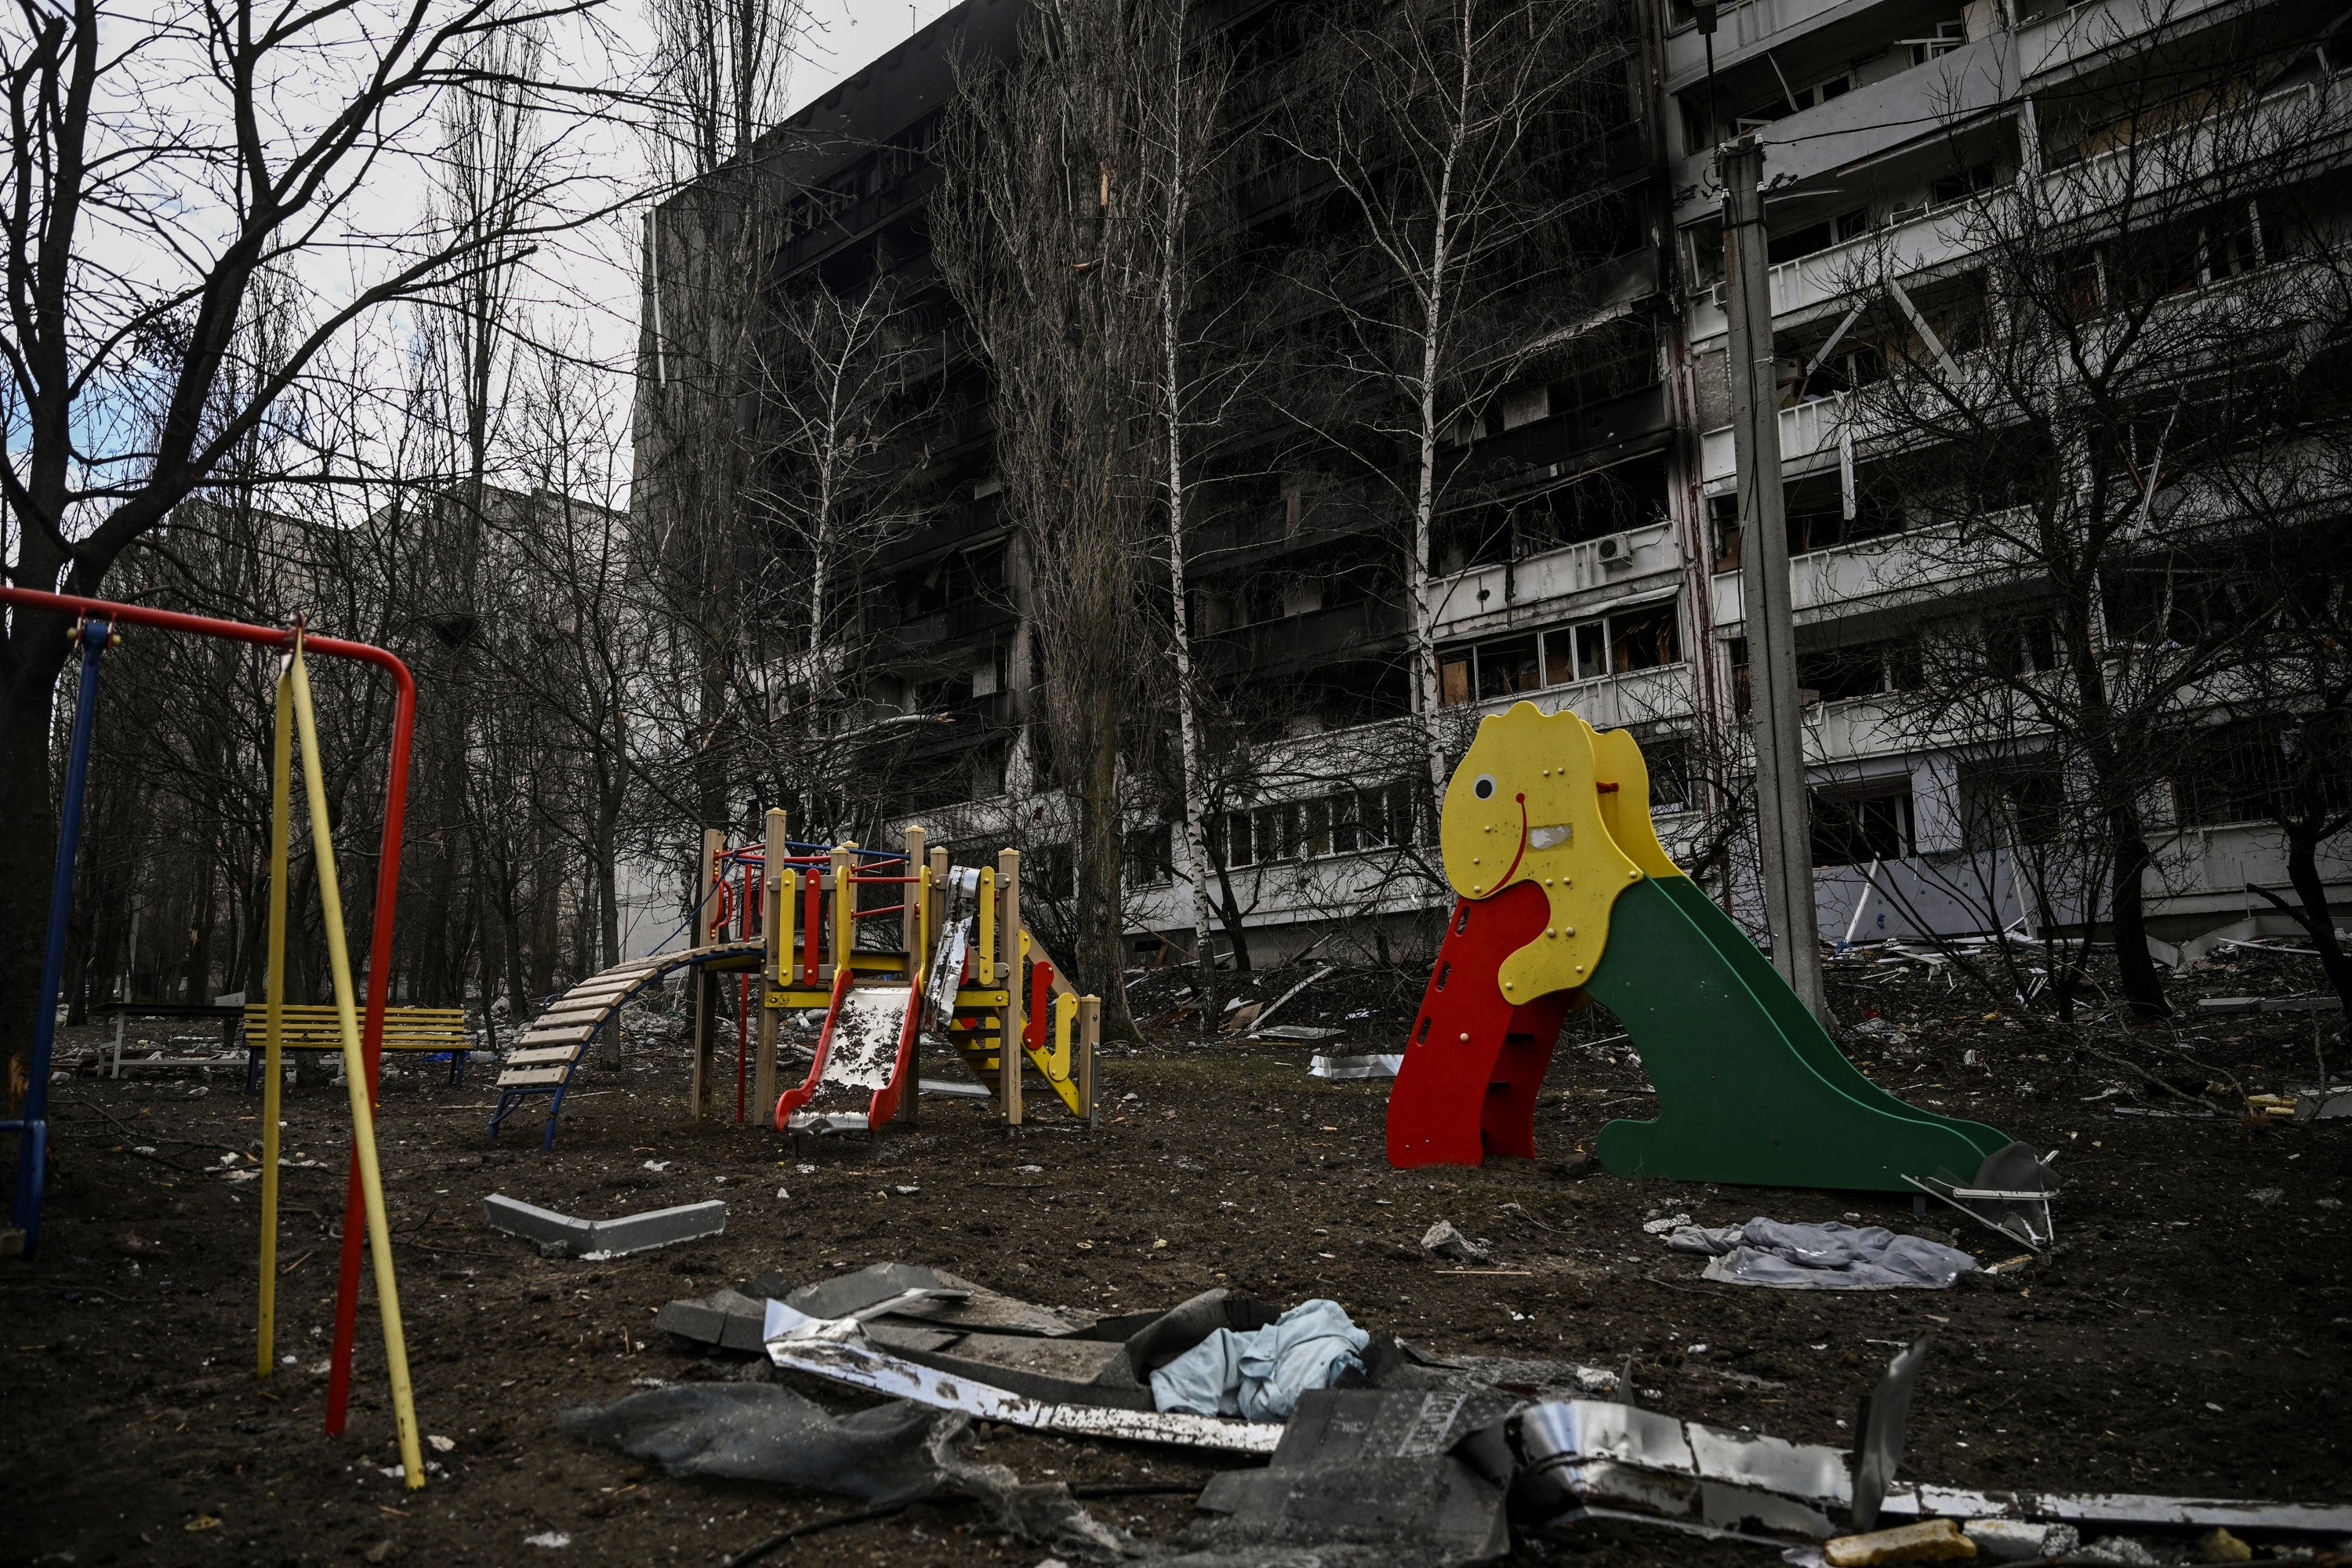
[(1831, 1257), (1260, 1374)]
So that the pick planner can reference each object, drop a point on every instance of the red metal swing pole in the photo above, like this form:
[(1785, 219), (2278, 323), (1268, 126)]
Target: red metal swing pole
[(387, 897)]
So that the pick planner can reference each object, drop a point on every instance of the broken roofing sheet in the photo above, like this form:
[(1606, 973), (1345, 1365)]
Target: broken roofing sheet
[(1406, 1460)]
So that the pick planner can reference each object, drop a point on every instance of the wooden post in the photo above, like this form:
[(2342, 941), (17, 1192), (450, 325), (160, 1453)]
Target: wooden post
[(1090, 1035), (938, 918), (911, 919), (703, 990), (844, 911), (916, 923), (777, 928), (1008, 972)]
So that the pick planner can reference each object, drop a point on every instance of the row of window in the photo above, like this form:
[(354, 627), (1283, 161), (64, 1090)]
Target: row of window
[(2250, 770), (1642, 637), (1343, 822)]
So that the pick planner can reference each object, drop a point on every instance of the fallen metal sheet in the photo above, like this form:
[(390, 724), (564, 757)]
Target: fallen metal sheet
[(1582, 1454), (955, 1302), (1355, 1067), (2010, 1193), (1297, 1033), (840, 1349), (562, 1236), (1372, 1467)]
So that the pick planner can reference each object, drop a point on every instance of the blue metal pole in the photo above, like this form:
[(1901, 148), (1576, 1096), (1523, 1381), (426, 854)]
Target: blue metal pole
[(32, 1146)]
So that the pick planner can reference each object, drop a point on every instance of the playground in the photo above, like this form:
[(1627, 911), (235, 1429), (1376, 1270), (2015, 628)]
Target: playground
[(1599, 1064), (2175, 1293)]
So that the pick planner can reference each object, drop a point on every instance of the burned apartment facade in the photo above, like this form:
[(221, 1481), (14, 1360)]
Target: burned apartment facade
[(1585, 547)]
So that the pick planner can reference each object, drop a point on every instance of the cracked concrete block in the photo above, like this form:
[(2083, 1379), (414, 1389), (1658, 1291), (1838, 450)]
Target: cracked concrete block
[(657, 1228), (726, 1319), (555, 1234), (561, 1236)]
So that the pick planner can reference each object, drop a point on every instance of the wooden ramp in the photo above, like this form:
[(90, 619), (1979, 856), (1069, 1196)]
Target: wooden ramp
[(556, 1043)]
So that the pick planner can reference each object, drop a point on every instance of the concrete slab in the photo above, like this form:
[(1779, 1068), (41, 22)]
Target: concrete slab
[(562, 1236)]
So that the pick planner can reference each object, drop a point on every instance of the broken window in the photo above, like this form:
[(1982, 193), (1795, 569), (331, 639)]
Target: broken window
[(1854, 827), (1508, 667), (1644, 638), (1453, 678), (1230, 839), (2008, 802), (1151, 854), (1938, 41), (2254, 769), (1858, 669)]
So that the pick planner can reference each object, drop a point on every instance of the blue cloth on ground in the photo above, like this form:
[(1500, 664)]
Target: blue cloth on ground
[(1260, 1374), (1832, 1257)]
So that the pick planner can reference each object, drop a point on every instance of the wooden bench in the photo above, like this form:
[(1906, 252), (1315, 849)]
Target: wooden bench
[(430, 1030)]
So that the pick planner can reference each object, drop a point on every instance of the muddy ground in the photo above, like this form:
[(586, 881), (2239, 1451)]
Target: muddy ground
[(2192, 1333)]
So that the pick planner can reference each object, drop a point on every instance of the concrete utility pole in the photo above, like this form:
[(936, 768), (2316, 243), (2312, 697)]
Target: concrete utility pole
[(1783, 840)]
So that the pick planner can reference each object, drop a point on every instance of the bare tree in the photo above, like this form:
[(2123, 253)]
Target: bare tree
[(1043, 231), (1452, 134), (1196, 375), (122, 314), (2050, 416), (720, 73)]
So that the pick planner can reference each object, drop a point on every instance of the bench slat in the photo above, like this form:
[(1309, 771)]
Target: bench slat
[(539, 1036)]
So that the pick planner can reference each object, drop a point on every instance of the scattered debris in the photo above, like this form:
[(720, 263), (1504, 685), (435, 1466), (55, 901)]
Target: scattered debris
[(2011, 1192), (1354, 1066), (1258, 1015), (1829, 1257), (844, 1350), (1297, 1033), (1929, 1540), (2269, 1197), (1441, 1240), (2218, 1545), (2020, 1541), (553, 1540), (561, 1236), (2270, 1004), (763, 1432), (1381, 1472), (726, 1319)]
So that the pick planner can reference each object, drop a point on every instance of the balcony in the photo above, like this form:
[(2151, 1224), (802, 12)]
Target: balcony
[(1868, 121), (1488, 599), (1612, 701), (1744, 30), (1884, 572), (1829, 277), (1808, 441), (1300, 642), (2081, 33)]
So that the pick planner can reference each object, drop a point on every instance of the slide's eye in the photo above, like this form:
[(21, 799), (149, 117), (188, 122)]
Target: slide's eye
[(1485, 788)]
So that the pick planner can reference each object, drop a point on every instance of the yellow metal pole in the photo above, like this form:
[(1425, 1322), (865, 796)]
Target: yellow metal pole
[(281, 818), (338, 963)]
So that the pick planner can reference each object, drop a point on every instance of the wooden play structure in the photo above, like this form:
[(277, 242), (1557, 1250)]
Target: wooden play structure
[(1565, 897), (867, 941)]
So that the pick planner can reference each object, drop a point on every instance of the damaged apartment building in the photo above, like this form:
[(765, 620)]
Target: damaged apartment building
[(1588, 552)]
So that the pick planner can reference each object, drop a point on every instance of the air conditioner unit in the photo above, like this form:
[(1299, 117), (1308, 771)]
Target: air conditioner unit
[(1613, 550)]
